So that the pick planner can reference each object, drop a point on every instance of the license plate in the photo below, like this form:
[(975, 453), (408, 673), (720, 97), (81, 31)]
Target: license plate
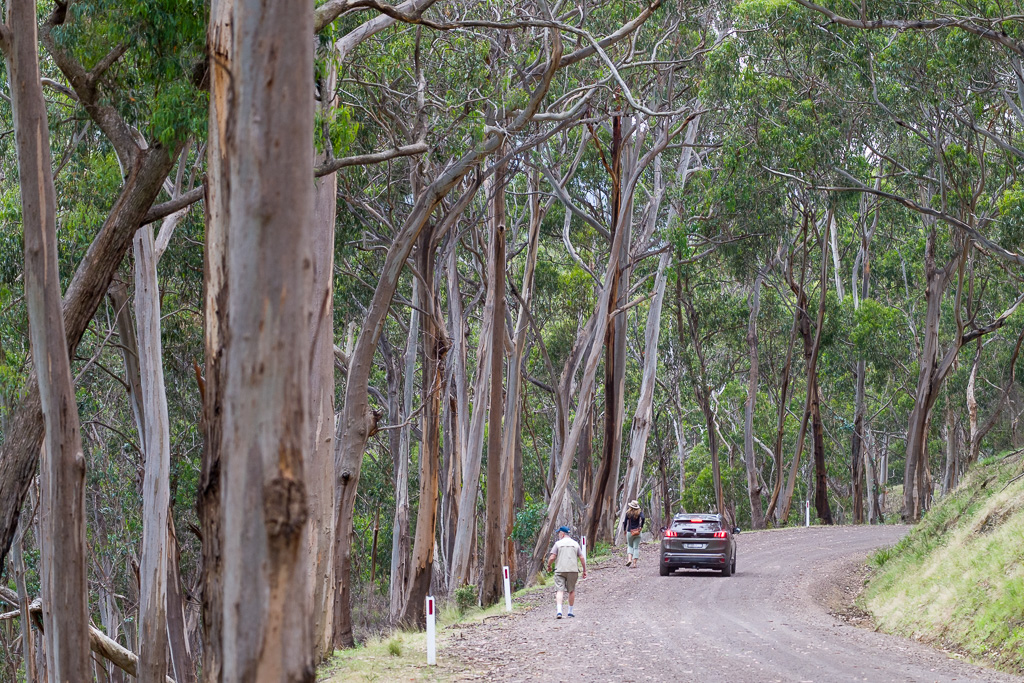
[(694, 546)]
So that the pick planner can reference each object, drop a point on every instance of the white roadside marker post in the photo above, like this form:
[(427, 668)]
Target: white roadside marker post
[(807, 506), (508, 590), (583, 547), (431, 632)]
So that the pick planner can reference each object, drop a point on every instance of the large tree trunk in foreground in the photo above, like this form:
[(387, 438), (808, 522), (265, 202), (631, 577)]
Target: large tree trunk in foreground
[(62, 473), (156, 485), (264, 228)]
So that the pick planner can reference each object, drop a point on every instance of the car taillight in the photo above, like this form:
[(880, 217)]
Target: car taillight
[(722, 534), (671, 534)]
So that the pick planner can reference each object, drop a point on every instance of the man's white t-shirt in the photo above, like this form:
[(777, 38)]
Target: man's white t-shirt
[(566, 551)]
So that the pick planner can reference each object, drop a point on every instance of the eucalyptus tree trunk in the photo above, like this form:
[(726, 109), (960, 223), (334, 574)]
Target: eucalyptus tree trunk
[(780, 422), (263, 237), (587, 382), (357, 421), (641, 428), (857, 458), (400, 526), (220, 47), (435, 347), (513, 405), (952, 449), (607, 474), (118, 294), (62, 472), (319, 466), (701, 390), (973, 439), (490, 583), (465, 532), (916, 478), (156, 496), (753, 378), (974, 447), (146, 170)]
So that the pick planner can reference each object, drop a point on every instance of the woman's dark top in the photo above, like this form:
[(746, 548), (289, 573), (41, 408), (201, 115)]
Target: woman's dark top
[(630, 523)]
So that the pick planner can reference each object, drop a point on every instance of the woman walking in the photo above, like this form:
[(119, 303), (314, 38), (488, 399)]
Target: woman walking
[(632, 525)]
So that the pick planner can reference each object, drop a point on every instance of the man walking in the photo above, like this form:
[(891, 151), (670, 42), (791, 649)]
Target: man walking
[(564, 554)]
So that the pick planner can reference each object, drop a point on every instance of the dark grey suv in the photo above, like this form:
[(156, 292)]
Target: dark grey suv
[(698, 542)]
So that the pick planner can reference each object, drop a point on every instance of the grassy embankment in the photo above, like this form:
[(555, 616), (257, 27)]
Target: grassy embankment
[(402, 655), (957, 579)]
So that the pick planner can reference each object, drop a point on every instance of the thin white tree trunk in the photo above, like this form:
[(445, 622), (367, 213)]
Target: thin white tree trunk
[(645, 403), (156, 493)]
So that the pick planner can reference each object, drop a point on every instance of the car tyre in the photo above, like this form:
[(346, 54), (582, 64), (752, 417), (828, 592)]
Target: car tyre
[(733, 564), (664, 569), (727, 569)]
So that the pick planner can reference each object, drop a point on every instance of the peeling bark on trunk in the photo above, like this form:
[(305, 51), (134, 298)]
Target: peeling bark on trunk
[(319, 467), (62, 471), (435, 348), (400, 526), (156, 483), (263, 231), (177, 627), (607, 473)]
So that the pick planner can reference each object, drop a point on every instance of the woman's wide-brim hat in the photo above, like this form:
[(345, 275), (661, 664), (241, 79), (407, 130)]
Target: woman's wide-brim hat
[(634, 504)]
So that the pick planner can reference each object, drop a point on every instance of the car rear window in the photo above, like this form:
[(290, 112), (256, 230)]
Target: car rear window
[(707, 525)]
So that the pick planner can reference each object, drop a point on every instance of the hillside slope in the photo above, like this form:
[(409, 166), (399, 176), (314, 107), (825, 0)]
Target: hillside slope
[(957, 579)]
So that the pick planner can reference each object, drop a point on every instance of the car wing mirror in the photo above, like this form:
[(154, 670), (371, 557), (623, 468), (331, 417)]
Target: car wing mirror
[(736, 530)]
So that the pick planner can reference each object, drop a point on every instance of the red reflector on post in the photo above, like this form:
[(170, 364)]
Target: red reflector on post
[(430, 606)]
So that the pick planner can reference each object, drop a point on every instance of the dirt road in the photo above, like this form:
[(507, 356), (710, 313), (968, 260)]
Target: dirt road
[(773, 621)]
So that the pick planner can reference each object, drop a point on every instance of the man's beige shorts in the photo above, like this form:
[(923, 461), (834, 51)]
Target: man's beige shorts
[(566, 581)]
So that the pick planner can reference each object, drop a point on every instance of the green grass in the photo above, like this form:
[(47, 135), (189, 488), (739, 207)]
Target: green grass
[(402, 655), (957, 579)]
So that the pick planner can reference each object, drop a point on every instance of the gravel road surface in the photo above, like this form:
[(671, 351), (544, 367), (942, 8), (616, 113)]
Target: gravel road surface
[(784, 616)]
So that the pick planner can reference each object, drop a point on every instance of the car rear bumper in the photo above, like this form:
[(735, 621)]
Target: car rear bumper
[(692, 560)]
